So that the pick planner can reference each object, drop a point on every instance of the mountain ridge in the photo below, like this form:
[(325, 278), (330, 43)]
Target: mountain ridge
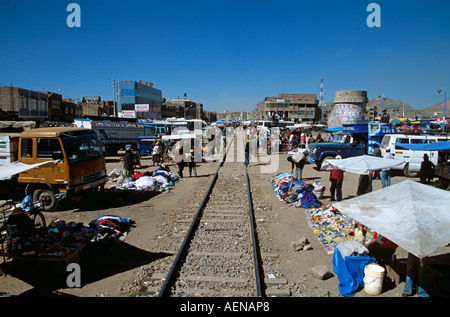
[(399, 109)]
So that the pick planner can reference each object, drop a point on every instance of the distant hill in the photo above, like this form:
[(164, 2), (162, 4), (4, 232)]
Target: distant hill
[(439, 107), (396, 109)]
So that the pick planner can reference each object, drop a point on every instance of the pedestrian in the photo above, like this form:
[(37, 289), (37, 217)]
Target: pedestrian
[(385, 118), (364, 184), (416, 276), (386, 172), (310, 140), (427, 170), (336, 179), (179, 159), (319, 139), (191, 164), (156, 153), (294, 143), (377, 153), (128, 161), (300, 160)]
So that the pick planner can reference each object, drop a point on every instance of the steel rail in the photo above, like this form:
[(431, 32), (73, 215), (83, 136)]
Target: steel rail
[(181, 255), (256, 255)]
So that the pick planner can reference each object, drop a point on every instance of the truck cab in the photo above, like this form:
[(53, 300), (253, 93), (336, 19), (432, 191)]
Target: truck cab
[(80, 163), (355, 139), (343, 144)]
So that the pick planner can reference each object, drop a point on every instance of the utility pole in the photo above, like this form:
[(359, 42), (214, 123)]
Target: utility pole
[(113, 85), (445, 103), (322, 100)]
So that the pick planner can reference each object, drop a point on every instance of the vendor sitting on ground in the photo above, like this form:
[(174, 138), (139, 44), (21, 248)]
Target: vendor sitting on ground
[(23, 224), (360, 233), (381, 248)]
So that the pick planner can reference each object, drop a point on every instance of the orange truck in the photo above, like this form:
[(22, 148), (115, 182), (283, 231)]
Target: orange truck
[(78, 164)]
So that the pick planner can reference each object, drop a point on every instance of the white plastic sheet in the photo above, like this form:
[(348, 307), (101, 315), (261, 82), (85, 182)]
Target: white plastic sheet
[(17, 167), (412, 215), (361, 164)]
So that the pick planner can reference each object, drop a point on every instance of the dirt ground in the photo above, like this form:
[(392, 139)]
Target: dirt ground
[(109, 270)]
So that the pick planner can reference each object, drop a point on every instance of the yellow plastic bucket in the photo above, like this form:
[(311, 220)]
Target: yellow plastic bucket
[(373, 279)]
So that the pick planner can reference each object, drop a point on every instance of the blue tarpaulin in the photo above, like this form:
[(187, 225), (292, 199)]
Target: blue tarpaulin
[(334, 129), (436, 146), (350, 271)]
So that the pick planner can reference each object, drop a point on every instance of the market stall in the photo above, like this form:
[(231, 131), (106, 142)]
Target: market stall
[(412, 215), (60, 241), (361, 164)]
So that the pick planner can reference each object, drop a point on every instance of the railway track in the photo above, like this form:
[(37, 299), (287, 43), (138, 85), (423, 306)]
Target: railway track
[(219, 255)]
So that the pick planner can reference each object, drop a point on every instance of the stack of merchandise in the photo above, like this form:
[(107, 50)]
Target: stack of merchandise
[(161, 180), (59, 239), (295, 192), (112, 227), (330, 227)]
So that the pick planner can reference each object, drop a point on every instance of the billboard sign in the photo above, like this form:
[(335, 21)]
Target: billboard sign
[(142, 107)]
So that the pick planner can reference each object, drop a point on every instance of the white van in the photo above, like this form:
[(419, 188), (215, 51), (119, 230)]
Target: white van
[(412, 158)]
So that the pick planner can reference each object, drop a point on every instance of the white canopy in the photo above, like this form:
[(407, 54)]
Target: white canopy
[(299, 126), (412, 215), (361, 164), (178, 137), (8, 170)]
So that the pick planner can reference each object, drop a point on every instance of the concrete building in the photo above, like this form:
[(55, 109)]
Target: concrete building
[(139, 100), (39, 106), (371, 113), (187, 108), (23, 104), (95, 106), (326, 110), (70, 110), (290, 107), (55, 107), (233, 116)]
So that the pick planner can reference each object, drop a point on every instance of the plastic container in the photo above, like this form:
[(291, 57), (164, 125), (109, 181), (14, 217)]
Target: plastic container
[(373, 279)]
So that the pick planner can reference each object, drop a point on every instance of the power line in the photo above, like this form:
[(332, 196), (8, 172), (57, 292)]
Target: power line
[(24, 57)]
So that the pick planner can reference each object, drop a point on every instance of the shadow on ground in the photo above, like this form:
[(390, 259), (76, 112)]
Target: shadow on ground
[(97, 261)]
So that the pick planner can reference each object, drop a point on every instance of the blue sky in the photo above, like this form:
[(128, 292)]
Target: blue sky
[(229, 55)]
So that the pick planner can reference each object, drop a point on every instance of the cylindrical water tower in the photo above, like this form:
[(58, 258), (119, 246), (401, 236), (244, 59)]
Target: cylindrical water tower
[(348, 107)]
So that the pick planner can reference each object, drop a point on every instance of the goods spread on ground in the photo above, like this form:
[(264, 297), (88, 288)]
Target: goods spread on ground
[(160, 180), (60, 240), (330, 226)]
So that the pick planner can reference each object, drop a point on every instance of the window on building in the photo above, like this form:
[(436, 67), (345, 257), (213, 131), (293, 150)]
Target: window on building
[(128, 106), (56, 104), (42, 105), (22, 103), (128, 92), (33, 104)]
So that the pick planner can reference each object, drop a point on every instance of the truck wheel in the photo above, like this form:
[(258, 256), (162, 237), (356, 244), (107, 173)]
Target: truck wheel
[(409, 173), (47, 197)]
